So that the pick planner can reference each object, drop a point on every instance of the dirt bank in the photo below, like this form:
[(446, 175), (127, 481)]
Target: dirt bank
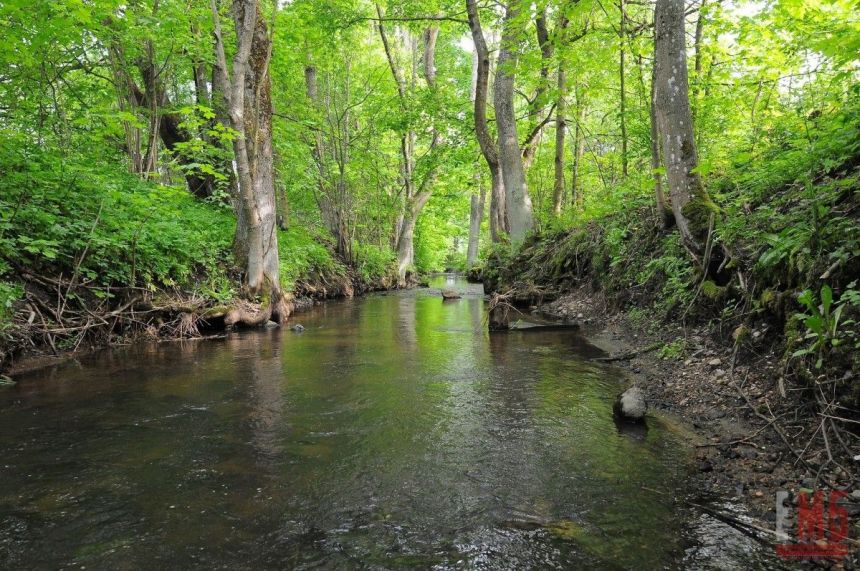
[(751, 438), (51, 326)]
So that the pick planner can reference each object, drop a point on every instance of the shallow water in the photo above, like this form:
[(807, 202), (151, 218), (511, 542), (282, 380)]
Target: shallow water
[(393, 432)]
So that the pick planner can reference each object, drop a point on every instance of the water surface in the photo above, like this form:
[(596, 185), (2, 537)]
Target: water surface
[(394, 432)]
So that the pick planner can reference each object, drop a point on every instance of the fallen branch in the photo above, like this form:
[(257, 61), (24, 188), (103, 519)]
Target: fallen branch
[(629, 354)]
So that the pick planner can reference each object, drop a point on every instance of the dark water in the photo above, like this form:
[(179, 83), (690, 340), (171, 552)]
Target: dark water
[(393, 432)]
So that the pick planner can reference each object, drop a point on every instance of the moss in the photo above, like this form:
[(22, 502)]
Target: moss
[(697, 212), (712, 291)]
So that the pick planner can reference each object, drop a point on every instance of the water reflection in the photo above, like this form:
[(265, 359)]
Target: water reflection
[(394, 432)]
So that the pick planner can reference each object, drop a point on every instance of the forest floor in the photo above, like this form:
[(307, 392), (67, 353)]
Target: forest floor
[(748, 437)]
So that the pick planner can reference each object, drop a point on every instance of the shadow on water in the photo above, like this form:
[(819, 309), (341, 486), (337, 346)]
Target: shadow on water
[(393, 432)]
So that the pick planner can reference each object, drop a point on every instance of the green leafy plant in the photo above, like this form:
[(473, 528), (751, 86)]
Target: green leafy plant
[(822, 321)]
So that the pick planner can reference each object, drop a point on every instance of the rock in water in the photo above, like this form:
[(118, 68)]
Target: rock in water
[(450, 294), (298, 327), (630, 405)]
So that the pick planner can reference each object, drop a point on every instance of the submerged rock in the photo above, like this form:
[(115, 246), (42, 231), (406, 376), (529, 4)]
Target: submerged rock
[(630, 405), (298, 327)]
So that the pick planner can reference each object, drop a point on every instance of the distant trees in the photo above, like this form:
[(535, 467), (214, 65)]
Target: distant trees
[(575, 106)]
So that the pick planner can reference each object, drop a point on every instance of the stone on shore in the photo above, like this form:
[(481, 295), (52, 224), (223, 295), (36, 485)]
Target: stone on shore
[(630, 405)]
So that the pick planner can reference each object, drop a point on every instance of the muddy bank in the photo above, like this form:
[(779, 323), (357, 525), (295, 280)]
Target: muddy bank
[(752, 439)]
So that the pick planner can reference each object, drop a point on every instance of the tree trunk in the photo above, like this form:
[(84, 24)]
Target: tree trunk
[(664, 210), (576, 197), (697, 60), (476, 214), (623, 96), (560, 109), (498, 210), (416, 193), (519, 203), (330, 210), (691, 204), (249, 103), (538, 104)]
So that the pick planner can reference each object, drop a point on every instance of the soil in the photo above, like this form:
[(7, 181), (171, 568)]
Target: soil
[(724, 396)]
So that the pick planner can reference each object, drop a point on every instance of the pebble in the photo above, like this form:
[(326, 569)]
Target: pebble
[(715, 362)]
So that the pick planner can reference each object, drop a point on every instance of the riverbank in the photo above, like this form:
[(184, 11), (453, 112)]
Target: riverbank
[(736, 383), (56, 320), (690, 374)]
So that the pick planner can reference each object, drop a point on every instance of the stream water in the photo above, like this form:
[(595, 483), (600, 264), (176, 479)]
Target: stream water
[(394, 432)]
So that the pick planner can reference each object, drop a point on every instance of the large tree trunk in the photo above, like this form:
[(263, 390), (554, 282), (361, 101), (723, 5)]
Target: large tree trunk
[(476, 214), (664, 211), (519, 203), (250, 109), (691, 204), (498, 210)]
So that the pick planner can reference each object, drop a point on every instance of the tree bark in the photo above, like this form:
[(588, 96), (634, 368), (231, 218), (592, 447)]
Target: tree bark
[(697, 60), (623, 96), (538, 103), (249, 103), (576, 197), (498, 210), (691, 204), (517, 198), (476, 215), (560, 111), (664, 209)]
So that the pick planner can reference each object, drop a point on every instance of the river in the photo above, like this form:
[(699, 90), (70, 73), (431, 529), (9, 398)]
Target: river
[(393, 432)]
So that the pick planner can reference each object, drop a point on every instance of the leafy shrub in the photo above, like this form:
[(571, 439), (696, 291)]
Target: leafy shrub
[(374, 263)]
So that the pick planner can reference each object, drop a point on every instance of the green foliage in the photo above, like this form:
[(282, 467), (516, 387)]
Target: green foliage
[(302, 257), (374, 263), (825, 329), (9, 294), (59, 214), (673, 350)]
